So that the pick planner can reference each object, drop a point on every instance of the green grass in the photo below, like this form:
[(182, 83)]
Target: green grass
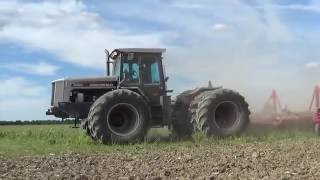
[(60, 139)]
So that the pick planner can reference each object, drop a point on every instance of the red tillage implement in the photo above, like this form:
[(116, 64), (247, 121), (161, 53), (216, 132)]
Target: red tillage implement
[(279, 114), (315, 102)]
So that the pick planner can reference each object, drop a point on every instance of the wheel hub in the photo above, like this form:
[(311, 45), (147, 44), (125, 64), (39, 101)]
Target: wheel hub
[(226, 115), (122, 119)]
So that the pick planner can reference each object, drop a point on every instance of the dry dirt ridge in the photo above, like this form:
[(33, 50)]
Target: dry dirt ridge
[(279, 160)]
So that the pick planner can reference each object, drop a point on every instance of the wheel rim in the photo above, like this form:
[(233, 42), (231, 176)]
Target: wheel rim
[(226, 115), (123, 119)]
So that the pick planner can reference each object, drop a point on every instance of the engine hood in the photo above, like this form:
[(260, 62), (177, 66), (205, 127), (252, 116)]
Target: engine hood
[(105, 78), (106, 81)]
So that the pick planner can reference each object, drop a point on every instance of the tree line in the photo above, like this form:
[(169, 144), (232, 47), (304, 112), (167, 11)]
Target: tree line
[(37, 122)]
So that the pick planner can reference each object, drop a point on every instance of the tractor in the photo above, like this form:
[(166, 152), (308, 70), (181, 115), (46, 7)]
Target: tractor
[(122, 106)]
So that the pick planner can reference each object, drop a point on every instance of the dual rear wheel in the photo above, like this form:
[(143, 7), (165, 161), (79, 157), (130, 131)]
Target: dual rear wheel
[(223, 113), (220, 112)]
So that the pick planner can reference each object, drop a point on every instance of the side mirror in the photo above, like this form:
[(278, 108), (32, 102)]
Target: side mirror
[(166, 78)]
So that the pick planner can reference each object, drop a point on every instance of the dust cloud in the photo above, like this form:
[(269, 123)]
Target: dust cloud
[(253, 74)]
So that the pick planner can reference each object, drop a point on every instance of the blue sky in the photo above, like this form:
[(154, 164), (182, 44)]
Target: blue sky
[(249, 45)]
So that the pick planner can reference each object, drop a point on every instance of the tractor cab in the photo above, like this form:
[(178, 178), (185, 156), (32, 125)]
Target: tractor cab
[(141, 69)]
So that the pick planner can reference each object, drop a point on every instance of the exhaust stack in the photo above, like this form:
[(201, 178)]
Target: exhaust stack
[(107, 62)]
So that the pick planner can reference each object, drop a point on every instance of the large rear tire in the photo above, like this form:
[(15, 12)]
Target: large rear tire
[(119, 116), (84, 126), (223, 113), (181, 126), (185, 109)]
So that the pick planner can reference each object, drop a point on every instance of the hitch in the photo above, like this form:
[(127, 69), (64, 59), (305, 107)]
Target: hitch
[(76, 122)]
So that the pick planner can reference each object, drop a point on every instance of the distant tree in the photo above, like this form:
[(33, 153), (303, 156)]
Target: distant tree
[(37, 122)]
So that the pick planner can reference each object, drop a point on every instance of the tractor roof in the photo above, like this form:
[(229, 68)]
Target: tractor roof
[(141, 50)]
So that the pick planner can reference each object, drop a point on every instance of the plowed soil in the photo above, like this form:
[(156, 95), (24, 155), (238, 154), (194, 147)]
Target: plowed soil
[(283, 159)]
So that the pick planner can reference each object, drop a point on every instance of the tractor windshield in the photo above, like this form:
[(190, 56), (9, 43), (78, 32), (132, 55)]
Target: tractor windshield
[(131, 71)]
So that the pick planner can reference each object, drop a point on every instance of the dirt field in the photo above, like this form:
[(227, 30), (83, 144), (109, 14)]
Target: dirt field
[(285, 150), (282, 160), (263, 152)]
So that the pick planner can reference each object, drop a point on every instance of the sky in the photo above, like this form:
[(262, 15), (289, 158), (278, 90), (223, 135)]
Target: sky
[(251, 46)]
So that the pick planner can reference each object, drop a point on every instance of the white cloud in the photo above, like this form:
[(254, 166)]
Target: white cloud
[(252, 25), (22, 99), (65, 29), (15, 87), (312, 65), (187, 5), (296, 7), (40, 68), (221, 27), (24, 109)]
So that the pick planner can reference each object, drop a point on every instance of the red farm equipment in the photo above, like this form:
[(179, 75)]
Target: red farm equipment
[(315, 107), (275, 113)]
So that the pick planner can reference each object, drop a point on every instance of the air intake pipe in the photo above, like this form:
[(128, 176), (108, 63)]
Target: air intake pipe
[(107, 62)]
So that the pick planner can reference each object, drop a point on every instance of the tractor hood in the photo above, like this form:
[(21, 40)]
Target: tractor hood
[(108, 81), (62, 88)]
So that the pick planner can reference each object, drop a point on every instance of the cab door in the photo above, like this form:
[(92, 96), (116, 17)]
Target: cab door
[(152, 78)]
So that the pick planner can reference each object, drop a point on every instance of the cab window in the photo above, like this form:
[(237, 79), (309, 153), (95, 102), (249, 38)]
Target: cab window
[(151, 73)]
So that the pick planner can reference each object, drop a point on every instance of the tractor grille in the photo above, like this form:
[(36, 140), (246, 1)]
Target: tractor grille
[(52, 93)]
